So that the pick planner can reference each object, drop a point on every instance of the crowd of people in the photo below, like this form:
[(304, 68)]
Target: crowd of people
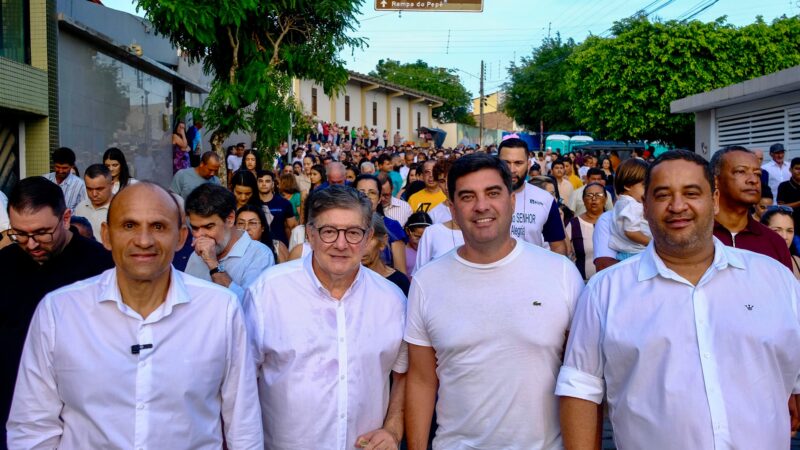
[(359, 295)]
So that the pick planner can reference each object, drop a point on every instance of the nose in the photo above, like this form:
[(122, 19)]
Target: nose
[(144, 238), (32, 243), (341, 242), (677, 204)]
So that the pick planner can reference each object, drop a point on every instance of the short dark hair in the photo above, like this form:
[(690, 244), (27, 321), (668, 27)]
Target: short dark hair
[(209, 155), (795, 162), (383, 179), (210, 199), (472, 163), (367, 176), (680, 155), (34, 193), (559, 161), (64, 155), (338, 197), (383, 158), (716, 160), (593, 171), (513, 143), (97, 170), (82, 221)]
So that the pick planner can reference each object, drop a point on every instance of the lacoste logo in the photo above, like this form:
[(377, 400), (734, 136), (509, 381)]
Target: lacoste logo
[(749, 307), (537, 303)]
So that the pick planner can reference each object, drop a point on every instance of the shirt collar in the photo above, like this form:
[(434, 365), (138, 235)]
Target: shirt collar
[(240, 247), (307, 265), (651, 265), (750, 227), (176, 294)]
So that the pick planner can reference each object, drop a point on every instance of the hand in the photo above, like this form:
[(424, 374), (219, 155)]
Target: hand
[(206, 248), (794, 413), (378, 440)]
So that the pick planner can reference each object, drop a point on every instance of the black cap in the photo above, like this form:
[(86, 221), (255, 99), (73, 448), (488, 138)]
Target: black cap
[(776, 148)]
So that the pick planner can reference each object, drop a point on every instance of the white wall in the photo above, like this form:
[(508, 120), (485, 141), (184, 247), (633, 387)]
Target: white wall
[(354, 91), (380, 97)]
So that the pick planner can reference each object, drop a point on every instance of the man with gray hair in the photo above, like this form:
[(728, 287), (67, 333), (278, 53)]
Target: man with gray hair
[(337, 173), (367, 168), (325, 358)]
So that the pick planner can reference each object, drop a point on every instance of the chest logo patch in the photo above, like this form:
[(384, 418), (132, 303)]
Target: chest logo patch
[(537, 303), (749, 307)]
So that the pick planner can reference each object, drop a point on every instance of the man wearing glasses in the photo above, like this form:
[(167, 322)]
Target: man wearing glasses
[(47, 256), (737, 176), (328, 334), (222, 254)]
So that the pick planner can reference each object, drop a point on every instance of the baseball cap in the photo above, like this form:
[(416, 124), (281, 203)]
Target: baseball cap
[(776, 148)]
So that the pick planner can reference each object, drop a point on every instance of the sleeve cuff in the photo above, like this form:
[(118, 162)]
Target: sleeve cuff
[(574, 383), (415, 341)]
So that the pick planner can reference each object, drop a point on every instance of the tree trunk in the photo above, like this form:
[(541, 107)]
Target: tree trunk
[(217, 139)]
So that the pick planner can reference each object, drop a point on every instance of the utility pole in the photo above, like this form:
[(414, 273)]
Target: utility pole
[(482, 99)]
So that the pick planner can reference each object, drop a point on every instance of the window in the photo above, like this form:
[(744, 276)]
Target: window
[(375, 114), (347, 108), (15, 41), (419, 120), (398, 117), (313, 101)]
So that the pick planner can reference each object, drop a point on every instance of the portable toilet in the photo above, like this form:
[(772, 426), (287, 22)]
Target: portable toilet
[(560, 143), (576, 141)]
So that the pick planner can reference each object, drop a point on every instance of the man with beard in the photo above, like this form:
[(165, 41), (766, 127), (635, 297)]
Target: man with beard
[(222, 254), (536, 218), (694, 343), (738, 179)]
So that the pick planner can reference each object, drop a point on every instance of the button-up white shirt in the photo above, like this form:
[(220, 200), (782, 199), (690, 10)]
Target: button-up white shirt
[(324, 364), (245, 261), (81, 387), (777, 175), (702, 367), (73, 188), (399, 210)]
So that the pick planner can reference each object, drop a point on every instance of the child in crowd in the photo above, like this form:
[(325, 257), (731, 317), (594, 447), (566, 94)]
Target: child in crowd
[(630, 232)]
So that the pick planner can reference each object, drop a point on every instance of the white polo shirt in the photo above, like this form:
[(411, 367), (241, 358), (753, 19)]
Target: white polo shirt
[(706, 366), (498, 331), (324, 364), (80, 386), (95, 216), (245, 261), (399, 210)]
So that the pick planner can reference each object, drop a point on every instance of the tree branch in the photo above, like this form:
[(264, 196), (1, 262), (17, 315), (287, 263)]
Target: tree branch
[(235, 63)]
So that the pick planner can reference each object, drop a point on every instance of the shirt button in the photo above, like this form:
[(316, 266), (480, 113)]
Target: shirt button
[(341, 339), (140, 406), (142, 363), (341, 416), (341, 377), (706, 355)]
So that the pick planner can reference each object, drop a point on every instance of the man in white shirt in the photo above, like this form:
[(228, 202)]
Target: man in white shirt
[(328, 334), (484, 331), (94, 208), (393, 207), (693, 343), (778, 169), (536, 217), (63, 165), (141, 356), (222, 254)]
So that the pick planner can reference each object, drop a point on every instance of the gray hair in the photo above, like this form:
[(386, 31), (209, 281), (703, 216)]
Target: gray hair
[(339, 197), (716, 160), (367, 165)]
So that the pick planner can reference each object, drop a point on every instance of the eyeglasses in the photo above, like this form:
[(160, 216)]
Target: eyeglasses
[(250, 224), (41, 238), (781, 208), (329, 234), (370, 193), (595, 196)]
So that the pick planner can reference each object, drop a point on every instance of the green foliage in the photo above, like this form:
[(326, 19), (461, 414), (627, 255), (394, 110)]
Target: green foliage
[(437, 81), (536, 90), (253, 49), (621, 86)]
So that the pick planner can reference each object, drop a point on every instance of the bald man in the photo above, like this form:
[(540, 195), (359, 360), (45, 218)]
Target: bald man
[(107, 357)]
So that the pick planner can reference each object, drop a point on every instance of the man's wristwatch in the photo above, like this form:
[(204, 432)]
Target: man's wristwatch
[(219, 269)]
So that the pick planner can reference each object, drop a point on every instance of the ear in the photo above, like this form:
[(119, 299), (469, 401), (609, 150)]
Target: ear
[(105, 235), (66, 218), (231, 218), (183, 234), (716, 202)]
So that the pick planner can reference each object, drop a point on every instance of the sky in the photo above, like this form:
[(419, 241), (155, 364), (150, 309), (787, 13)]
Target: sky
[(507, 30)]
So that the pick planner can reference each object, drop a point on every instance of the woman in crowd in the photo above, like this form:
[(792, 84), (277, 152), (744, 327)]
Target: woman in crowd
[(287, 185), (251, 219), (180, 147), (317, 176), (245, 189), (351, 173), (414, 227), (372, 258), (250, 162), (779, 219), (395, 254), (580, 229), (114, 159)]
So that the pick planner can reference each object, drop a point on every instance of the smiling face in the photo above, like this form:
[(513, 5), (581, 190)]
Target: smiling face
[(143, 232), (340, 258), (680, 207), (482, 208)]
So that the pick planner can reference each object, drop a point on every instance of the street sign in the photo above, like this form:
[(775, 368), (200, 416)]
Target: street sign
[(430, 5)]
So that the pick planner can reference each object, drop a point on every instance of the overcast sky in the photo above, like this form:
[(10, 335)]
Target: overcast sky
[(506, 30)]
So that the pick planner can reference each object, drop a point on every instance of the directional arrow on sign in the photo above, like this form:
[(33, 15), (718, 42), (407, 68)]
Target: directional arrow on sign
[(383, 4)]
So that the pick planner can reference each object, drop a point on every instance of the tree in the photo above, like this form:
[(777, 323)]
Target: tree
[(536, 90), (253, 49), (622, 86), (437, 81)]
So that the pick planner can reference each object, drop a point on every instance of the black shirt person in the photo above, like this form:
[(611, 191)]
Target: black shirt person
[(47, 255)]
